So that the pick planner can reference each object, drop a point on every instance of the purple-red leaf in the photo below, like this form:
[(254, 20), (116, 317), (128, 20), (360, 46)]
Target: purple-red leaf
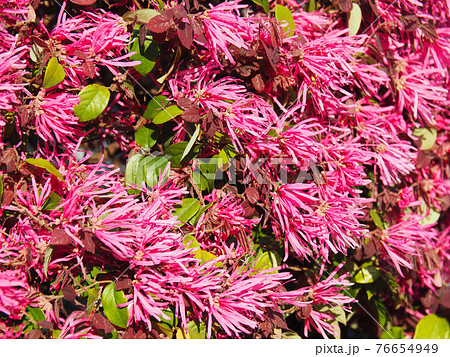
[(162, 22), (101, 323), (191, 114), (89, 244), (83, 2), (60, 237), (252, 194), (186, 34), (258, 83), (69, 293), (346, 5), (123, 284), (88, 68)]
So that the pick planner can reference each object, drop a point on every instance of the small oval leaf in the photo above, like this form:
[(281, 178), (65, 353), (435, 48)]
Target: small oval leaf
[(354, 21), (188, 209), (44, 164), (94, 99), (110, 299), (54, 74), (167, 114), (147, 136), (431, 327)]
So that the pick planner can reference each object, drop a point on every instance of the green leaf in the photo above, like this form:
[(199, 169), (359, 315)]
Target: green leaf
[(53, 201), (432, 216), (395, 332), (354, 21), (339, 314), (268, 260), (1, 186), (312, 5), (36, 313), (47, 258), (290, 335), (153, 169), (154, 106), (131, 169), (432, 327), (92, 298), (56, 333), (146, 136), (264, 4), (189, 208), (94, 99), (44, 164), (376, 218), (191, 142), (110, 299), (175, 151), (381, 310), (146, 53), (282, 13), (199, 180), (167, 114), (193, 221), (146, 169), (367, 275), (196, 330), (427, 136), (54, 74), (205, 256), (143, 16)]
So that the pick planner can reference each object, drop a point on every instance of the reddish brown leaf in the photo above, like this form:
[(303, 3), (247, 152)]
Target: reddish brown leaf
[(410, 22), (185, 34), (191, 114), (39, 41), (142, 34), (101, 323), (89, 244), (34, 335), (88, 68), (129, 334), (429, 31), (69, 293), (252, 194), (258, 83), (83, 2), (122, 284), (180, 12), (184, 102), (80, 54), (303, 312), (244, 70), (140, 335), (162, 22), (276, 319), (346, 5), (249, 209), (45, 324), (60, 237), (444, 295), (266, 328), (10, 158)]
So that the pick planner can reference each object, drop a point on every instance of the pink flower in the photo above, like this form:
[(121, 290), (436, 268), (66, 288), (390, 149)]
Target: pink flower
[(55, 119), (402, 242), (222, 28), (13, 293)]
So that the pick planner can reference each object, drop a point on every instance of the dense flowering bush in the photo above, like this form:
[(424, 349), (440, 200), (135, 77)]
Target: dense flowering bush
[(234, 169)]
